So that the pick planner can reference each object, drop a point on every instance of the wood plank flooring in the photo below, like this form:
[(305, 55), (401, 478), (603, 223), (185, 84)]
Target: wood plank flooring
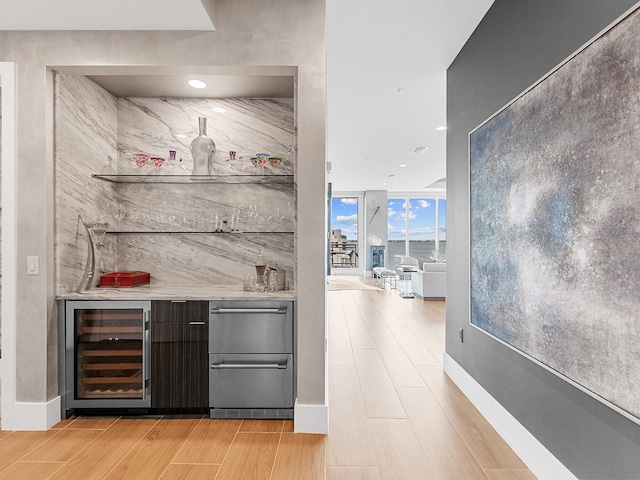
[(394, 414)]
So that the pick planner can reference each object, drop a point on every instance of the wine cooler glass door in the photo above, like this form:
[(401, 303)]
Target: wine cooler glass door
[(110, 350)]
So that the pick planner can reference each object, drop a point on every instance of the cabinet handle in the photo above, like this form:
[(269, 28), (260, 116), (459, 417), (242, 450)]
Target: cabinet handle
[(240, 366), (279, 310), (196, 323)]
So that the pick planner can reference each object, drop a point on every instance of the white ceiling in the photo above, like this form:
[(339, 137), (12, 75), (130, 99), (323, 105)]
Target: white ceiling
[(386, 88), (104, 15), (386, 75)]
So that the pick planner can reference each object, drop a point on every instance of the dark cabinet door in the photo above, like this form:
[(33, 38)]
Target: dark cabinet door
[(179, 355)]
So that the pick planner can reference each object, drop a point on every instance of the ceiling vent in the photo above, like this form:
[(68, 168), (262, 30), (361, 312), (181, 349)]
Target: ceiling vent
[(419, 149)]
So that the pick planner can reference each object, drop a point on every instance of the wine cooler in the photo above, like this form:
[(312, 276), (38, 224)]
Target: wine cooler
[(107, 354)]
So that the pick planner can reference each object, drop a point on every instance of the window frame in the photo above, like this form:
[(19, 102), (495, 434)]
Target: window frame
[(360, 231), (406, 197)]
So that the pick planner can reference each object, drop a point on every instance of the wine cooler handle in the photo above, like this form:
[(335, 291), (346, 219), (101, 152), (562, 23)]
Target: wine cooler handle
[(147, 353)]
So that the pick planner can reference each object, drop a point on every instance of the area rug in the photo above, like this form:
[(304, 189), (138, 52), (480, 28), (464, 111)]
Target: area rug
[(350, 283)]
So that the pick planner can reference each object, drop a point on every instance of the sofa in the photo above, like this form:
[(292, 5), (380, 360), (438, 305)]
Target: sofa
[(430, 282)]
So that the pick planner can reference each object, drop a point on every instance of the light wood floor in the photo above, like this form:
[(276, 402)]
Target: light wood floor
[(393, 415)]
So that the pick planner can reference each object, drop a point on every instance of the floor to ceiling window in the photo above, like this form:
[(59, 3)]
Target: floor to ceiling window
[(442, 225), (397, 228), (417, 227), (344, 232)]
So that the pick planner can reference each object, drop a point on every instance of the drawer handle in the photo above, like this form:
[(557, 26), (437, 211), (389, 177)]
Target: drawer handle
[(280, 310), (240, 366), (196, 323)]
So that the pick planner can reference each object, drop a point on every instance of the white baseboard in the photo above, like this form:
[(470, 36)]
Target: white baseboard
[(33, 415), (540, 461), (310, 418)]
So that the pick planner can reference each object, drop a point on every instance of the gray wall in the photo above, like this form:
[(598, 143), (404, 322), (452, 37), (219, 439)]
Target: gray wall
[(291, 33), (516, 44)]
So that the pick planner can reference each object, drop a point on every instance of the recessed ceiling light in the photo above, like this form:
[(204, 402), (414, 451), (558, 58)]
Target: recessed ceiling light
[(419, 149), (384, 183), (441, 128), (218, 109), (195, 83), (403, 165)]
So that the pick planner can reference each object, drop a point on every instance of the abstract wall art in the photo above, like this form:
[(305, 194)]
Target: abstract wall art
[(555, 220)]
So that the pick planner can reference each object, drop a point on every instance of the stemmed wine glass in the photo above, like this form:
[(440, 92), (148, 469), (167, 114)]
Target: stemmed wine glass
[(172, 161), (259, 161), (263, 158), (141, 159), (157, 162)]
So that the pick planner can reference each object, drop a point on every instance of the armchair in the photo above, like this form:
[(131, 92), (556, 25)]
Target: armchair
[(431, 281)]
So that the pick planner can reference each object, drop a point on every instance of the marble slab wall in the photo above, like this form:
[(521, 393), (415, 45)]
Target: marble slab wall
[(172, 230), (247, 126), (85, 143), (262, 214)]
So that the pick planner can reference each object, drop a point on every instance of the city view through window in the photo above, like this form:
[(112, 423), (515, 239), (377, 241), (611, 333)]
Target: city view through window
[(417, 227), (344, 233)]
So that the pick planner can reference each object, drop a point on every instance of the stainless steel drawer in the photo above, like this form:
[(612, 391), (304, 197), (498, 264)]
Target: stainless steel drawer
[(250, 327), (250, 381)]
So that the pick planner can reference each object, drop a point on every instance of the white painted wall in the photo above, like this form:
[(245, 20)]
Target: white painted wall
[(9, 155)]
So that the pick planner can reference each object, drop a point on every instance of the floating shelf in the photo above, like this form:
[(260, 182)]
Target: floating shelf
[(195, 179)]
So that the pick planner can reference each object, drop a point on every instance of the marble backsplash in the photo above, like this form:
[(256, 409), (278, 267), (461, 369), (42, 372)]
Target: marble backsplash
[(85, 140), (247, 126), (169, 229)]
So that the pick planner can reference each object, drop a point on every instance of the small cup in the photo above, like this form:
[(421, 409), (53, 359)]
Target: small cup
[(232, 155)]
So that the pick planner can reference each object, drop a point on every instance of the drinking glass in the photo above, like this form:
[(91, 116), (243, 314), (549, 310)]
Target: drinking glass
[(275, 162), (134, 215), (141, 159), (172, 160), (120, 215), (157, 162)]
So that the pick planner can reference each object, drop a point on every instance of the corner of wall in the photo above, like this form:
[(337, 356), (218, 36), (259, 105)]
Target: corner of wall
[(311, 418), (33, 415)]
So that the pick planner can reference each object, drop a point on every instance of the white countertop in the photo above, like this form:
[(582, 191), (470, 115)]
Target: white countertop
[(177, 292)]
